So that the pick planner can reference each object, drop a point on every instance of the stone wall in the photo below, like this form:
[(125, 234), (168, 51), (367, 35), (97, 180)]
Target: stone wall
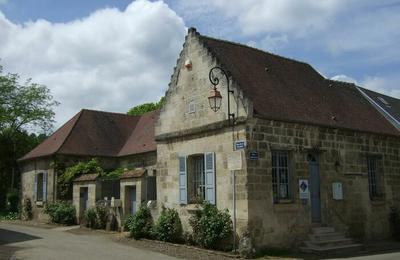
[(342, 158), (29, 170), (93, 196)]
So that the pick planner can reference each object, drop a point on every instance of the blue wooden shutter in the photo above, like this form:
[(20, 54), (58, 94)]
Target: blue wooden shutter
[(210, 177), (35, 188), (44, 186), (182, 180)]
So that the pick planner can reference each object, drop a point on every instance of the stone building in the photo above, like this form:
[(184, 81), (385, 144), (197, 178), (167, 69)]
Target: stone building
[(317, 152), (116, 140), (305, 151)]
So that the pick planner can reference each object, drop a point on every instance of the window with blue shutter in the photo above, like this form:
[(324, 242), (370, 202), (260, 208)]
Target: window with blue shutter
[(210, 177), (182, 180), (44, 186), (35, 188)]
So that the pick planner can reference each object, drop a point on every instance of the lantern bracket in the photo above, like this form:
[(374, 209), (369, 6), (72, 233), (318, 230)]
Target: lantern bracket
[(215, 80)]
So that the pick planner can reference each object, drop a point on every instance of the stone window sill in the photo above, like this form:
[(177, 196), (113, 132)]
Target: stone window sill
[(191, 208), (39, 204), (284, 201), (378, 201)]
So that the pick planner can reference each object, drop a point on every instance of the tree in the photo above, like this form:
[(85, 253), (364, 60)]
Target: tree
[(23, 107), (146, 107)]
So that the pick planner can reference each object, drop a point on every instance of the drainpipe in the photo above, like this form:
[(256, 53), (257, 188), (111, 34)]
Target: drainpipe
[(234, 209)]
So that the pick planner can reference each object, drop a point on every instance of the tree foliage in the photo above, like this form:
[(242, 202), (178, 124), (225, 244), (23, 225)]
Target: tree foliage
[(24, 105), (146, 107)]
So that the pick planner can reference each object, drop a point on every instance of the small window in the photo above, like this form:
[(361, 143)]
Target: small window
[(192, 107), (39, 189), (280, 176), (151, 188), (196, 178), (373, 178), (384, 102)]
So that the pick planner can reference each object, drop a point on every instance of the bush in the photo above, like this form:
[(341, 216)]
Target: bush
[(168, 227), (61, 212), (96, 217), (12, 201), (210, 226), (141, 224), (9, 216)]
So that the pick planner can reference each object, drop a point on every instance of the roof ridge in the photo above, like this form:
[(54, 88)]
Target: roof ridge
[(254, 48), (107, 112)]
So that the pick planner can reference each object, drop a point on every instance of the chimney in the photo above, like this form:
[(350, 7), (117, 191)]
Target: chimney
[(192, 30)]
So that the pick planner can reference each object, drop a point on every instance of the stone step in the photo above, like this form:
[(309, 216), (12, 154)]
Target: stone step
[(332, 249), (322, 230), (329, 242), (324, 236)]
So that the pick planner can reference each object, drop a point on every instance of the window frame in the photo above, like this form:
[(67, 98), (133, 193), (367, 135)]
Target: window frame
[(39, 183), (276, 168), (374, 177)]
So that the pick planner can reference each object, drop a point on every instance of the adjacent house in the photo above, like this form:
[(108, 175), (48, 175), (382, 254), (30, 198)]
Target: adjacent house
[(117, 140), (303, 151)]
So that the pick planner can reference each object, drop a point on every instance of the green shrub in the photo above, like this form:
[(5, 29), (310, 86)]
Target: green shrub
[(61, 212), (210, 226), (27, 209), (141, 224), (9, 216), (96, 217), (168, 226), (12, 200)]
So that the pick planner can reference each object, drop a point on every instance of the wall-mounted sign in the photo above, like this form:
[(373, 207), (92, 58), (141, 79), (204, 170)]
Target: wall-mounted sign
[(240, 144), (254, 155), (337, 190), (304, 189), (235, 161)]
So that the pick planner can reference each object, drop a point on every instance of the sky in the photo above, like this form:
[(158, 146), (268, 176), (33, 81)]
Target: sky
[(114, 54)]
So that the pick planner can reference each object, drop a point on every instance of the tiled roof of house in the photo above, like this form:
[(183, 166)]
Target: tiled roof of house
[(133, 174), (390, 105), (87, 177), (142, 138), (289, 90), (98, 133)]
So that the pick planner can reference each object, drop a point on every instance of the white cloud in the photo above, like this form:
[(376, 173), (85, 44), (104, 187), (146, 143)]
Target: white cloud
[(385, 85), (344, 78), (110, 60)]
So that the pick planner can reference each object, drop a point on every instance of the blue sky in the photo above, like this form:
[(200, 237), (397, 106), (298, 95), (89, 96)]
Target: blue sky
[(101, 54)]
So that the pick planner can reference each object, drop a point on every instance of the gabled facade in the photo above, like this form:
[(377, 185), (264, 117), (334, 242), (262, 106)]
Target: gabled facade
[(299, 129)]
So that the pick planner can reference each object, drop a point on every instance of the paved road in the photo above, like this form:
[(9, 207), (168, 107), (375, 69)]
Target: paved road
[(24, 242)]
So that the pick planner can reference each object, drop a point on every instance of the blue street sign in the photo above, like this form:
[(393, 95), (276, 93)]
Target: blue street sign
[(254, 155), (239, 145)]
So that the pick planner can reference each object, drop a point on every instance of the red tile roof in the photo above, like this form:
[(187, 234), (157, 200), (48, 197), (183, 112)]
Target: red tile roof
[(133, 174), (142, 138), (98, 133), (289, 90), (87, 177)]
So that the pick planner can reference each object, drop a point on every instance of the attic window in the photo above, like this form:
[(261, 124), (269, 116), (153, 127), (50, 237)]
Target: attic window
[(384, 101), (192, 107)]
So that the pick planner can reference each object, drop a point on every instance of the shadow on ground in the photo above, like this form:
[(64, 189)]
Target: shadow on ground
[(9, 236)]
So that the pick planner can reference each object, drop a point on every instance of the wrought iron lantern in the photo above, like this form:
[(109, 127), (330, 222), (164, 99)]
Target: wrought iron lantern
[(215, 96)]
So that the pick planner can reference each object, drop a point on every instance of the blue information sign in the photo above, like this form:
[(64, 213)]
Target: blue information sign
[(239, 145), (254, 155)]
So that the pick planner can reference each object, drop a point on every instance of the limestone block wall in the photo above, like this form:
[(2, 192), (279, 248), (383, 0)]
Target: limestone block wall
[(342, 158), (139, 183), (29, 170), (168, 173), (146, 160), (192, 87), (93, 196)]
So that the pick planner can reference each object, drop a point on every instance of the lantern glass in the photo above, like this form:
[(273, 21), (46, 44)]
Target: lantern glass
[(214, 100)]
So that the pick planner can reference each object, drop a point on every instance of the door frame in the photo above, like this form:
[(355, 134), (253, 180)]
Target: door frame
[(315, 186)]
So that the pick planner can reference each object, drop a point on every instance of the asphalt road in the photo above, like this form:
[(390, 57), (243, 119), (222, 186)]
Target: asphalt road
[(25, 242)]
